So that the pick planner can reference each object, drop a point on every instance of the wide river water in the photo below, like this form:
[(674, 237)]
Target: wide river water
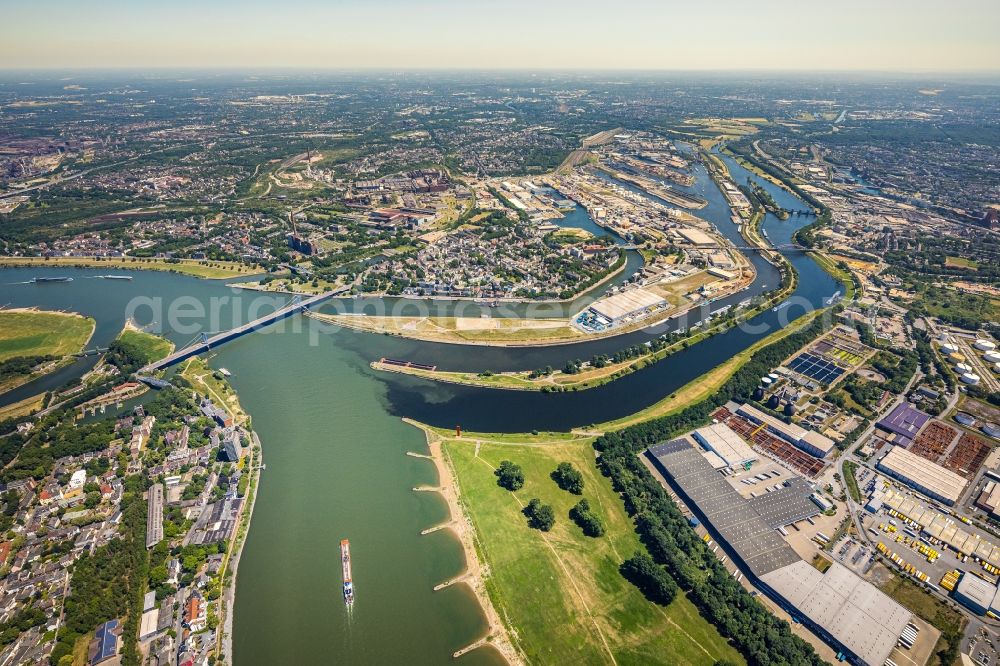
[(335, 447)]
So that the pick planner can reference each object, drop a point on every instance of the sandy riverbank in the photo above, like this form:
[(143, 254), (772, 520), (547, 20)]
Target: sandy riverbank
[(497, 634)]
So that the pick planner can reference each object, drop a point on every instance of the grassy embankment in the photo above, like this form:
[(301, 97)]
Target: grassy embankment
[(850, 478), (37, 333), (40, 333), (845, 277), (208, 382), (152, 347), (706, 385), (212, 270), (562, 578), (22, 408)]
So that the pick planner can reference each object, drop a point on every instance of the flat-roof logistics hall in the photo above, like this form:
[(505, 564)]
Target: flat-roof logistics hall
[(786, 505), (752, 539), (851, 614), (810, 441), (849, 610), (629, 302), (721, 440), (929, 478), (697, 237)]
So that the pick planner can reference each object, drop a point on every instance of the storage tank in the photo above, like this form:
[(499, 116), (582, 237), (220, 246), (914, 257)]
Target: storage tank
[(789, 409), (970, 378), (766, 381), (965, 418), (992, 429), (773, 377), (992, 357), (961, 368), (982, 344), (956, 357), (949, 348)]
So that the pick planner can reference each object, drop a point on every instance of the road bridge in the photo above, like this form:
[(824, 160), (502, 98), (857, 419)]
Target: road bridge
[(785, 247), (205, 343)]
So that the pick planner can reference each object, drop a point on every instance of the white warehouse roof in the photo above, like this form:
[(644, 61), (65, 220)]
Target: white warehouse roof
[(929, 477), (854, 612), (721, 439), (626, 303)]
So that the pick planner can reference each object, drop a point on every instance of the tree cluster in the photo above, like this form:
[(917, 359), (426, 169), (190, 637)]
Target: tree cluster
[(540, 516), (651, 578), (586, 519), (509, 476), (568, 478)]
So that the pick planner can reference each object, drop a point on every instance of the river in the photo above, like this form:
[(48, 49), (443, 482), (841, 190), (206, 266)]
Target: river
[(335, 449)]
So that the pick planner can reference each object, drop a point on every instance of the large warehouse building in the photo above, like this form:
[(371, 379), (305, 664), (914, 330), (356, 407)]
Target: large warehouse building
[(848, 612), (929, 478), (726, 444), (843, 608), (975, 593), (627, 303), (810, 441)]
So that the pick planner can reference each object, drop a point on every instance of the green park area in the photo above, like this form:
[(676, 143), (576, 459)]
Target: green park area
[(146, 345), (561, 577)]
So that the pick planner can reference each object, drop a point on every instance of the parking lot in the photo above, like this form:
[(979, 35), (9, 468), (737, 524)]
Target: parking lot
[(981, 644)]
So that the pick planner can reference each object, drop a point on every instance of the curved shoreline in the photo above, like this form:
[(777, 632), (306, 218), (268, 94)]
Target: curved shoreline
[(52, 366), (459, 523), (351, 321)]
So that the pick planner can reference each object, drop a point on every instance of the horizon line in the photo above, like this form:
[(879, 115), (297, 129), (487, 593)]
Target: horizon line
[(540, 69)]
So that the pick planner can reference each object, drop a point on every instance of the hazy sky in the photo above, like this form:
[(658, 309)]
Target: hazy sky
[(908, 35)]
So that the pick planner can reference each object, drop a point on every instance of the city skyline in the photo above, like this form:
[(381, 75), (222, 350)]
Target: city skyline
[(443, 34)]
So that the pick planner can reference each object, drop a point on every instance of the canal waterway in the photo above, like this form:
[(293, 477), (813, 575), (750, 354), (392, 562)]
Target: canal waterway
[(335, 448)]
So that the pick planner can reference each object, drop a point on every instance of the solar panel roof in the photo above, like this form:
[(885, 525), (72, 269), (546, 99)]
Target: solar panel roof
[(107, 641)]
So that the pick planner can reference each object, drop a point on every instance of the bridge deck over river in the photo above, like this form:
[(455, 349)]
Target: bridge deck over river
[(292, 308)]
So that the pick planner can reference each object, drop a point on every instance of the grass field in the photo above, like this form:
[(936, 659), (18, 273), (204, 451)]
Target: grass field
[(153, 346), (213, 270), (838, 273), (203, 378), (39, 333), (850, 469), (960, 262), (562, 578)]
